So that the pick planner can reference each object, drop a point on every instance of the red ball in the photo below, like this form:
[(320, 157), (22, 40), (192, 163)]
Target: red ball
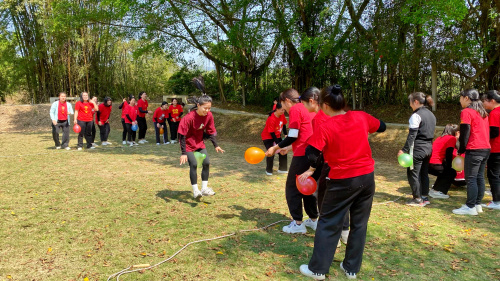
[(77, 128), (308, 187)]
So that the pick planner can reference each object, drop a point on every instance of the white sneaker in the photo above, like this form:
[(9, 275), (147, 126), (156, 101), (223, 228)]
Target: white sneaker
[(311, 224), (94, 144), (58, 147), (145, 141), (438, 194), (79, 148), (269, 174), (167, 142), (131, 144), (92, 147), (282, 172), (304, 269), (479, 209), (68, 148), (134, 143), (464, 210), (339, 244), (157, 143), (492, 205), (207, 191), (104, 143), (293, 227), (344, 236), (197, 193), (349, 275), (173, 141), (124, 142), (141, 141), (108, 143)]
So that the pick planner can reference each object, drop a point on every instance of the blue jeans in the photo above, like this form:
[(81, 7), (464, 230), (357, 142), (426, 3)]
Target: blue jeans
[(475, 163)]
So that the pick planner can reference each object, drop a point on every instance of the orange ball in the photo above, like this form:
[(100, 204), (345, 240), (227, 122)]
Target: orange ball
[(161, 131), (254, 155)]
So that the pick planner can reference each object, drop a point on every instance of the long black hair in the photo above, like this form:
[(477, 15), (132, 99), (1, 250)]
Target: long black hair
[(278, 106), (333, 97), (105, 101), (310, 93), (450, 130), (204, 98), (476, 103), (492, 95)]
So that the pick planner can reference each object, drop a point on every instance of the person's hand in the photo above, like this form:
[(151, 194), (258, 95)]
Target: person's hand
[(149, 111), (134, 123), (124, 100), (218, 149), (285, 150), (305, 175), (271, 151), (400, 152), (173, 119), (184, 159), (162, 126), (74, 122), (158, 125), (54, 122), (100, 123)]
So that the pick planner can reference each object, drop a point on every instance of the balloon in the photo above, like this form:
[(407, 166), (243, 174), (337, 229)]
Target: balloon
[(134, 127), (308, 187), (77, 129), (458, 163), (199, 157), (161, 131), (405, 160), (254, 155)]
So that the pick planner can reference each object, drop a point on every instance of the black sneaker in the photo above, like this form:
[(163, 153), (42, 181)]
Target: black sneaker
[(416, 202)]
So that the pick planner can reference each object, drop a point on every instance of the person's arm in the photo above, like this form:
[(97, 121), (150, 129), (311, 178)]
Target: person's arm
[(76, 116), (128, 117), (182, 142), (213, 140), (464, 137), (53, 113), (313, 155), (142, 111), (448, 156), (382, 127), (180, 114), (121, 105), (293, 135), (98, 116), (285, 132), (275, 138), (415, 121), (494, 132)]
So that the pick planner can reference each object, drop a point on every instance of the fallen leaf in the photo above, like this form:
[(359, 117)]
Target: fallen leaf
[(220, 253), (49, 250)]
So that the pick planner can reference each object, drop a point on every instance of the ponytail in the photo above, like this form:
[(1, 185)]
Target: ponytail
[(333, 97), (278, 106), (421, 98), (492, 95), (199, 101), (310, 93), (476, 102)]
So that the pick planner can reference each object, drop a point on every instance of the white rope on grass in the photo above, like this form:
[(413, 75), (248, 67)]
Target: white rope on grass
[(141, 267)]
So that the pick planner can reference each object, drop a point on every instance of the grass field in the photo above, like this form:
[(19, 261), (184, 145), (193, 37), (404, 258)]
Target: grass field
[(71, 215)]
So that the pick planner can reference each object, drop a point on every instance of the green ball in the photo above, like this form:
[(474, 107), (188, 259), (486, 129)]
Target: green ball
[(405, 160)]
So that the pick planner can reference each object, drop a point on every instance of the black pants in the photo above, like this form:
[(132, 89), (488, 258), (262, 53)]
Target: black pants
[(354, 194), (320, 193), (124, 134), (193, 165), (131, 134), (445, 176), (104, 132), (165, 132), (294, 198), (270, 160), (85, 132), (93, 132), (475, 162), (174, 127), (64, 126), (419, 176), (143, 127), (493, 173)]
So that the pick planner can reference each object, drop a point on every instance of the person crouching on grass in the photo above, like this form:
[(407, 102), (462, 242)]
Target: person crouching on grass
[(84, 118), (343, 139), (59, 114), (159, 117), (271, 135)]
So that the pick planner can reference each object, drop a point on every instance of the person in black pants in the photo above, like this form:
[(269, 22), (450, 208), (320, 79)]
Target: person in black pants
[(159, 117), (123, 107), (84, 118), (175, 111), (142, 105), (350, 183), (492, 102), (443, 151), (271, 135), (419, 145), (59, 114)]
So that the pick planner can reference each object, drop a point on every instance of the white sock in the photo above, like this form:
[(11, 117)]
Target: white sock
[(195, 187), (204, 184)]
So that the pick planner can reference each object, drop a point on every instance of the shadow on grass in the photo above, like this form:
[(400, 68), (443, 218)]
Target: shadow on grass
[(185, 197)]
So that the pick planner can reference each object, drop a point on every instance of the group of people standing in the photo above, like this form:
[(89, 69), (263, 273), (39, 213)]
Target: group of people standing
[(89, 113)]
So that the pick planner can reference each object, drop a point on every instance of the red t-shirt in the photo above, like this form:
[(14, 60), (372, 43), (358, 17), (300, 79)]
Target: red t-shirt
[(479, 129), (300, 119), (344, 142), (318, 119), (160, 115), (192, 126), (104, 113), (62, 111), (85, 111), (132, 112), (175, 111), (494, 119), (439, 148), (273, 125), (124, 109), (143, 104)]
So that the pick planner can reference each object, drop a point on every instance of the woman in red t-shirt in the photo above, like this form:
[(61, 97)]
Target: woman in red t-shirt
[(271, 135), (102, 120), (94, 119), (83, 117), (175, 111), (142, 110), (130, 120), (197, 125), (123, 107), (159, 117), (492, 102), (475, 142), (300, 130), (343, 139), (443, 151)]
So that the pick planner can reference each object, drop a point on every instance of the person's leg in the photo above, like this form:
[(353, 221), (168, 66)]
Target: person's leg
[(414, 177), (165, 132), (424, 176), (128, 127), (93, 132), (494, 175), (106, 132), (322, 185), (102, 133), (446, 179), (125, 130), (193, 165), (174, 126), (157, 131), (269, 160), (293, 196), (311, 206), (143, 126), (480, 178), (134, 133), (88, 133), (81, 134), (471, 169), (55, 135), (283, 163), (65, 138)]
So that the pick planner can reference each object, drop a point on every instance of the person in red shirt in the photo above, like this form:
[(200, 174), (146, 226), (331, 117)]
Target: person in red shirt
[(475, 142), (159, 117), (123, 107), (84, 117), (94, 118), (59, 114), (193, 128), (343, 139), (131, 113), (142, 110), (299, 132), (271, 135), (102, 119), (443, 151), (492, 102), (175, 110)]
